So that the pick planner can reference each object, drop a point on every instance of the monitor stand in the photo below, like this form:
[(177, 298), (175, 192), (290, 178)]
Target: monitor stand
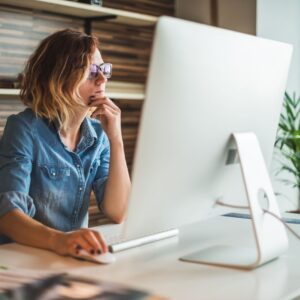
[(270, 235)]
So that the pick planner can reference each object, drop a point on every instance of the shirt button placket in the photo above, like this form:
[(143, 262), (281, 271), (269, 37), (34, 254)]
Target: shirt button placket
[(78, 166), (79, 171)]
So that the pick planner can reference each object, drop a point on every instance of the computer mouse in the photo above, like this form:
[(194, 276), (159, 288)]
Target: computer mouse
[(103, 258)]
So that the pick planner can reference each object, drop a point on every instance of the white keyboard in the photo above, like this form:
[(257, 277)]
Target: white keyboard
[(116, 243)]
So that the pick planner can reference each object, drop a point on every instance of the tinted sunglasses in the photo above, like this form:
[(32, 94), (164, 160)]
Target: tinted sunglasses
[(105, 69)]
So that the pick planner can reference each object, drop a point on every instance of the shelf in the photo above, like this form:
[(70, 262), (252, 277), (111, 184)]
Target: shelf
[(83, 10), (9, 92), (123, 90), (115, 90)]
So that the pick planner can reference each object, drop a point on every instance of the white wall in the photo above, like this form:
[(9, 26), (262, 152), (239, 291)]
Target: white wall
[(280, 20)]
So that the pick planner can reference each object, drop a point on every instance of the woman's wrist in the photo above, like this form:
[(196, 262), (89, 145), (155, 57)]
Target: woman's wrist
[(116, 142), (55, 238)]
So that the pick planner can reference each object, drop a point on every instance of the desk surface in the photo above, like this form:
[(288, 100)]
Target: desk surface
[(156, 268)]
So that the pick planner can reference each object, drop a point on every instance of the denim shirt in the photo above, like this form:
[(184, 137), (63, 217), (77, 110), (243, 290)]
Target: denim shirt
[(41, 177)]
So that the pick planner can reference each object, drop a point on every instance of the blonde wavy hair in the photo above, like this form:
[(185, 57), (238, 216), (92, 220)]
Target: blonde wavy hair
[(54, 72)]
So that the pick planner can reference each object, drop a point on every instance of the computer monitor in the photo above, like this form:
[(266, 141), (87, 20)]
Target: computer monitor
[(204, 84)]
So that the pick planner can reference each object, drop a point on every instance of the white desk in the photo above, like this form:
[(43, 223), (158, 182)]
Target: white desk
[(156, 267)]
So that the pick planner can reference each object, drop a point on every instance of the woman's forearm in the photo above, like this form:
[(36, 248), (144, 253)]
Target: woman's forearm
[(118, 184), (23, 229)]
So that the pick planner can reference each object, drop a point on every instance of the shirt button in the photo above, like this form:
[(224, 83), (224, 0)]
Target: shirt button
[(78, 166), (80, 189), (53, 173)]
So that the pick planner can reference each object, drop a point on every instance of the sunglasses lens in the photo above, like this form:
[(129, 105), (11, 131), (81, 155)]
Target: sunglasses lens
[(106, 69), (94, 72)]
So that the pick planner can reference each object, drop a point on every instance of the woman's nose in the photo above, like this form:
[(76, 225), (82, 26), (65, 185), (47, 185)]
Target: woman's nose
[(100, 79)]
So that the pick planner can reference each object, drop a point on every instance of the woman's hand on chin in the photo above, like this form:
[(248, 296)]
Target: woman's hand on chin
[(109, 115)]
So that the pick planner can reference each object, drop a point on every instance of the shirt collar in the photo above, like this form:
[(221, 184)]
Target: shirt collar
[(88, 134), (88, 130)]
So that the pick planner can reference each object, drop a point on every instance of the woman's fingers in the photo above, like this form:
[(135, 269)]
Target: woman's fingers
[(83, 243), (100, 101), (74, 248), (84, 239), (93, 241), (74, 242), (105, 110), (101, 240), (110, 117)]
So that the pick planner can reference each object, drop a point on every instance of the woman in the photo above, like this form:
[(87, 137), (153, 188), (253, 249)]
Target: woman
[(52, 154)]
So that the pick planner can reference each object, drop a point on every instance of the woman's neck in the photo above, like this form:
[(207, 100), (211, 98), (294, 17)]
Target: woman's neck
[(70, 135)]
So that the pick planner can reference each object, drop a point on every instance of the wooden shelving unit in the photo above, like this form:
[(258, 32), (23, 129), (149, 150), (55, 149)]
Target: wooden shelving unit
[(82, 10), (115, 90), (125, 40)]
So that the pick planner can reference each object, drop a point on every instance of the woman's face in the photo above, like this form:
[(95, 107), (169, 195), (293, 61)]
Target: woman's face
[(91, 87)]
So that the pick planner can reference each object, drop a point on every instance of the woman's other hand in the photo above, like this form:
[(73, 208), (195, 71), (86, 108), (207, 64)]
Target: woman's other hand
[(70, 243), (109, 115)]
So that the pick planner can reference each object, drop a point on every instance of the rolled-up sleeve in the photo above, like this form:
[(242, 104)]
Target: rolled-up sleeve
[(16, 154), (102, 172)]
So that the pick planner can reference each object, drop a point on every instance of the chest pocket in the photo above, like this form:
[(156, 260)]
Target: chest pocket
[(55, 172), (53, 184)]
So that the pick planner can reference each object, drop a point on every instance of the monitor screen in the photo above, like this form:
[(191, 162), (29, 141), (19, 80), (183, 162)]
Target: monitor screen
[(204, 84)]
